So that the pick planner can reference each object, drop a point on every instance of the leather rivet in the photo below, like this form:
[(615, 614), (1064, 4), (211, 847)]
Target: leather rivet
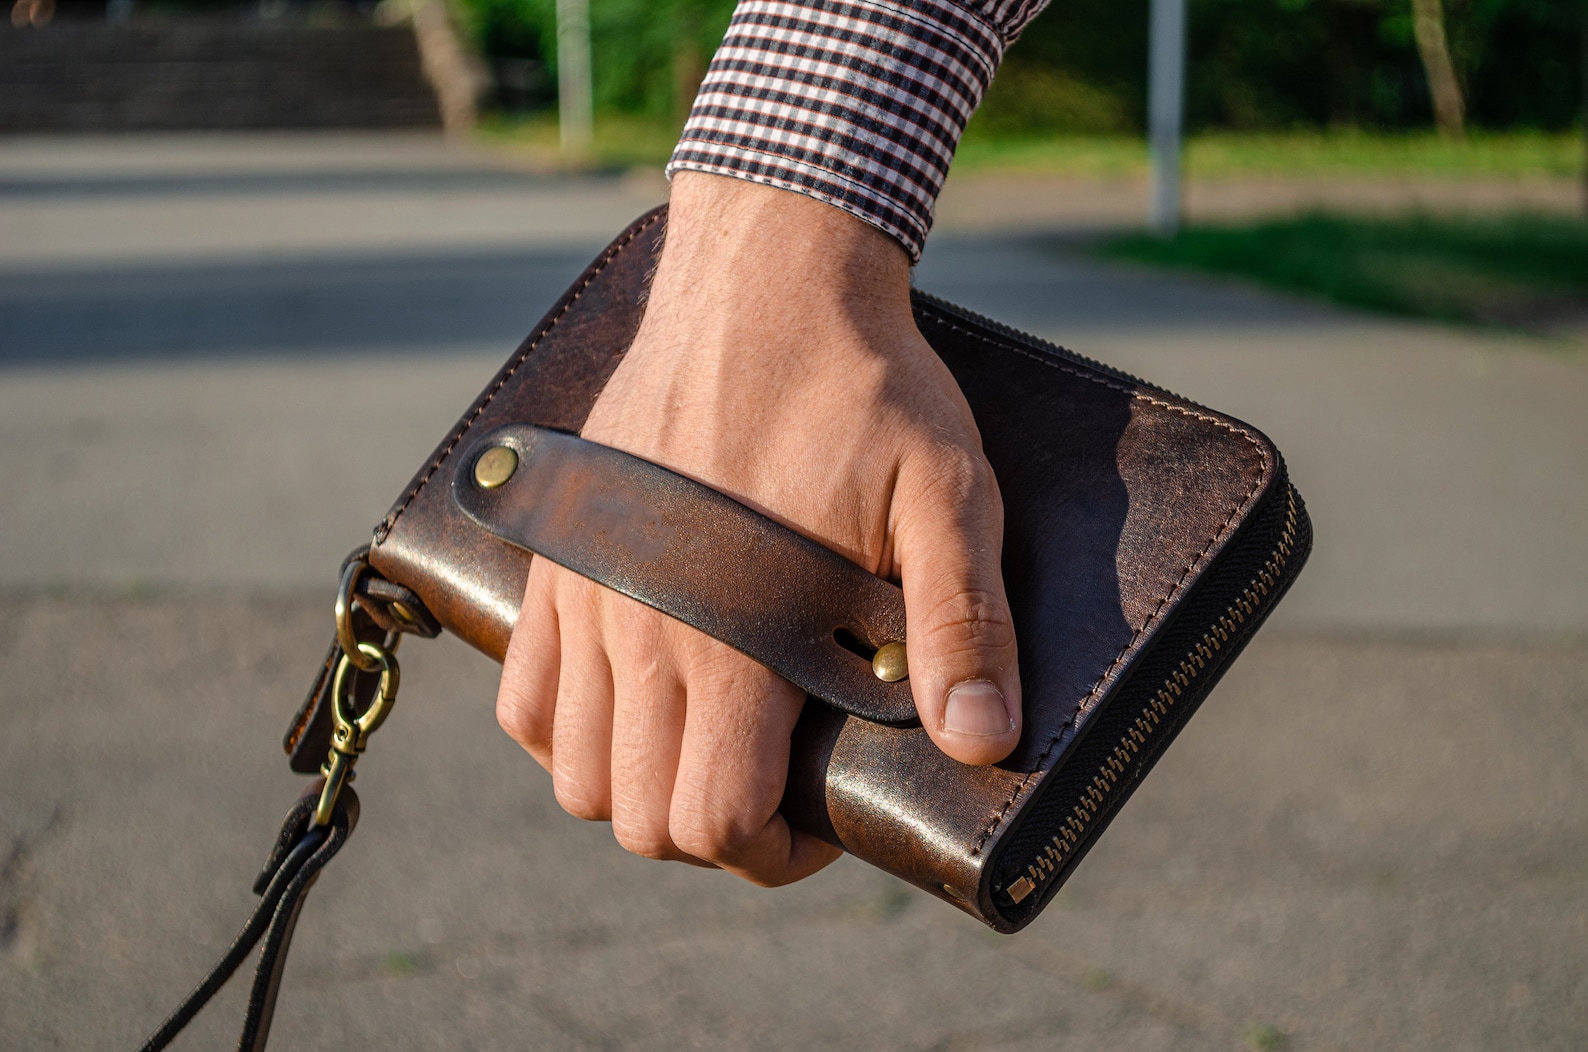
[(890, 664), (495, 466)]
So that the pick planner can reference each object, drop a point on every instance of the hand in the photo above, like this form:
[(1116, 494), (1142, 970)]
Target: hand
[(777, 362)]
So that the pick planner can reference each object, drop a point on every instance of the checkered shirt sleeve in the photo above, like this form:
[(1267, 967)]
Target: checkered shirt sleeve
[(859, 103)]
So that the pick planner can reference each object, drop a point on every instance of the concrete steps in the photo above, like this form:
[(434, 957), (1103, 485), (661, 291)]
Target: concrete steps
[(210, 75)]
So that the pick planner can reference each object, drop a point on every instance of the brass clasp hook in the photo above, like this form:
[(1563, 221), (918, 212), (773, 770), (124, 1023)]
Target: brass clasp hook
[(350, 732)]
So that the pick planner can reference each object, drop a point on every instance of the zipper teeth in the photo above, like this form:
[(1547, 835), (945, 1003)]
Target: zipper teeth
[(1068, 838), (1031, 342)]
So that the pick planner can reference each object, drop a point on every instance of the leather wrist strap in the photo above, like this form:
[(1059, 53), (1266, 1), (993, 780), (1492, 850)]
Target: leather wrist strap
[(800, 609), (301, 851)]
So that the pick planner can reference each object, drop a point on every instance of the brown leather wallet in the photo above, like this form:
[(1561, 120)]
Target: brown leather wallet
[(1146, 539)]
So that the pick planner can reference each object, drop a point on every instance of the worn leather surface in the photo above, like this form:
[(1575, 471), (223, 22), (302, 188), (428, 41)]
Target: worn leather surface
[(1118, 498), (697, 555)]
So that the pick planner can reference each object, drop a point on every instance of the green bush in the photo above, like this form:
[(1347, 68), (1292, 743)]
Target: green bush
[(1516, 270), (1081, 67), (647, 55), (1034, 99)]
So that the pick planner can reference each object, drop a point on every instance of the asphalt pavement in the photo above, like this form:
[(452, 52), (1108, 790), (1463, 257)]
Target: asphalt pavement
[(221, 357)]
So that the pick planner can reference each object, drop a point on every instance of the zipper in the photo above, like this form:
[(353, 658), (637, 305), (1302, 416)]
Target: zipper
[(1072, 833), (952, 312)]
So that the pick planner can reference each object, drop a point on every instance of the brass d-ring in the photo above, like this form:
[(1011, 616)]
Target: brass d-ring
[(351, 647)]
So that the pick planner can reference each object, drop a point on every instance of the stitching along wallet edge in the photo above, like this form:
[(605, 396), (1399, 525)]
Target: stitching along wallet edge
[(1146, 539)]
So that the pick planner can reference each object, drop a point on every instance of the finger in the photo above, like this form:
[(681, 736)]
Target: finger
[(581, 753), (732, 769), (647, 726), (948, 536), (527, 697)]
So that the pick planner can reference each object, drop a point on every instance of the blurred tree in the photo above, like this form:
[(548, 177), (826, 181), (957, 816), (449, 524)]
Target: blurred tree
[(1433, 47), (1310, 63), (1507, 63), (1082, 65), (1519, 61), (649, 55)]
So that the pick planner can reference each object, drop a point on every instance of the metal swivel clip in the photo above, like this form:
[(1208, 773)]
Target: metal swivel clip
[(350, 730)]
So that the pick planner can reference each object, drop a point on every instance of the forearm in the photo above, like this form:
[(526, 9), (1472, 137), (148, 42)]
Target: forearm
[(766, 247)]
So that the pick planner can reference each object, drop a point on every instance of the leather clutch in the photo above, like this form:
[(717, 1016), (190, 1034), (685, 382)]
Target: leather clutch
[(1146, 540)]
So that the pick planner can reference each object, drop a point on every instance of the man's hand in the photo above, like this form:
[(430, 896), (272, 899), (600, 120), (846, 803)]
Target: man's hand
[(777, 362)]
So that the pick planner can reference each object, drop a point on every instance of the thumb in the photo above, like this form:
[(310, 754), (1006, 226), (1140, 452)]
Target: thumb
[(948, 542)]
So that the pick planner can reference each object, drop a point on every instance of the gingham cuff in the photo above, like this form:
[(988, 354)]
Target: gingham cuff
[(859, 103)]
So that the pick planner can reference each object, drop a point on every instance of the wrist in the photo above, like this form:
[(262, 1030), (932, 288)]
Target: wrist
[(732, 238)]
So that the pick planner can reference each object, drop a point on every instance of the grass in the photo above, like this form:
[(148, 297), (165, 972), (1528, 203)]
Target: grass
[(1348, 153), (1515, 271), (1265, 1037), (399, 963), (1098, 979), (620, 142), (1481, 154), (627, 142)]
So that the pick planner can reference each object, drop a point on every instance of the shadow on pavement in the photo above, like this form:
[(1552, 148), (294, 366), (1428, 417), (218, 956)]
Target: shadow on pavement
[(360, 181), (421, 303)]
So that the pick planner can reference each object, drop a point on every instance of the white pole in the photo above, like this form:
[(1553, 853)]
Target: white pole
[(1165, 110), (575, 102)]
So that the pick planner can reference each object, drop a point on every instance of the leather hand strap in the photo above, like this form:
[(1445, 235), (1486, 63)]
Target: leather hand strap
[(301, 851), (694, 554)]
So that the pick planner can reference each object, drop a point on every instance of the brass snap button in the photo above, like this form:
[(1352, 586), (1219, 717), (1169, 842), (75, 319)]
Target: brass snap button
[(495, 466), (889, 663)]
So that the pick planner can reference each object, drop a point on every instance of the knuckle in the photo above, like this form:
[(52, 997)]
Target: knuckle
[(960, 476), (718, 671), (514, 712), (729, 674), (953, 494), (643, 839), (581, 800), (624, 616), (971, 620), (710, 833), (769, 879), (511, 717), (578, 600), (518, 716)]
